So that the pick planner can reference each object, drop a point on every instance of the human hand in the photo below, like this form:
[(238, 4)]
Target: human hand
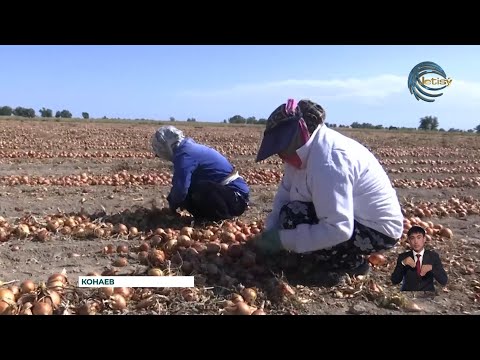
[(268, 242), (409, 261), (425, 269)]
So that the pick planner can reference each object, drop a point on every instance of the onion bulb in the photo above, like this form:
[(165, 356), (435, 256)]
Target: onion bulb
[(5, 308), (16, 291), (188, 231), (377, 259), (7, 295), (236, 298), (155, 272), (243, 309), (27, 286), (120, 262), (446, 232), (124, 291), (118, 302), (106, 291), (53, 298), (249, 295), (57, 277), (42, 308)]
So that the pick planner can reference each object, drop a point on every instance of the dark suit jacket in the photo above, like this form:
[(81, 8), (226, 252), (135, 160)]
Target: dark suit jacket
[(414, 282)]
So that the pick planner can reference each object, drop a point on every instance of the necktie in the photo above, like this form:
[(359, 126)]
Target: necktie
[(418, 264)]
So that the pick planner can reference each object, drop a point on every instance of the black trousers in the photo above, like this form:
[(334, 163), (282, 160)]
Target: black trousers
[(211, 201)]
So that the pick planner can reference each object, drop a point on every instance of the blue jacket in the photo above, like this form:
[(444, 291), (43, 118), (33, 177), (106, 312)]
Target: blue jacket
[(193, 163)]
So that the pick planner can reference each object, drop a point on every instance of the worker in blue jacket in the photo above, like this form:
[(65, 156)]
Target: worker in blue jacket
[(204, 182)]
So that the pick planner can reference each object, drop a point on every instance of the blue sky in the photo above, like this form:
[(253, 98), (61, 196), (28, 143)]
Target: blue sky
[(212, 83)]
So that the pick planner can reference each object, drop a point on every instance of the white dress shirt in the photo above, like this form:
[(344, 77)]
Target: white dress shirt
[(415, 257), (421, 256)]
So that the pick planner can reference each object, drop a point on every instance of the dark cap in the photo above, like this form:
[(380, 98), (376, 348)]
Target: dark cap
[(280, 129), (277, 139), (282, 125), (416, 229)]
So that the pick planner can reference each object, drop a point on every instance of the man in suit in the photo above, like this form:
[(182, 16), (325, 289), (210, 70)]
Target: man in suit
[(418, 274)]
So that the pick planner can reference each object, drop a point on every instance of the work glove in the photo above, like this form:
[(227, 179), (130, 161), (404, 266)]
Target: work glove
[(268, 242)]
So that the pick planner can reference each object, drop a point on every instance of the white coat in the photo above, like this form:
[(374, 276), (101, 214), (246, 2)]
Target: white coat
[(345, 182)]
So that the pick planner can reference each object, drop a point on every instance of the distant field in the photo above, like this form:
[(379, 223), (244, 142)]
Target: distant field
[(77, 195), (101, 120)]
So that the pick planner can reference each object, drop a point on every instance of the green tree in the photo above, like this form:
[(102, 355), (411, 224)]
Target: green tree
[(47, 113), (434, 124), (63, 114), (6, 111), (30, 113), (24, 112), (477, 129), (85, 115), (355, 125), (18, 111), (429, 123), (237, 119)]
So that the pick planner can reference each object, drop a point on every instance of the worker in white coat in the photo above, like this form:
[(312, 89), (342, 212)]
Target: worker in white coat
[(335, 200)]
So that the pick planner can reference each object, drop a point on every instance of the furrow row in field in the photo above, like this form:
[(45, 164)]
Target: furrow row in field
[(253, 177), (243, 148)]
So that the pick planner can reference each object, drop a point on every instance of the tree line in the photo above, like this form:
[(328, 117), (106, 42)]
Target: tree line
[(238, 119), (30, 112), (427, 123), (431, 123)]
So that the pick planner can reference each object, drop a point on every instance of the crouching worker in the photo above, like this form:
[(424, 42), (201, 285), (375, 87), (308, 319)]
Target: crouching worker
[(335, 202), (204, 182)]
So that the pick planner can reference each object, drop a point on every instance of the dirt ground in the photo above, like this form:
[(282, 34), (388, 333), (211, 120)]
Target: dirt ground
[(22, 259)]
